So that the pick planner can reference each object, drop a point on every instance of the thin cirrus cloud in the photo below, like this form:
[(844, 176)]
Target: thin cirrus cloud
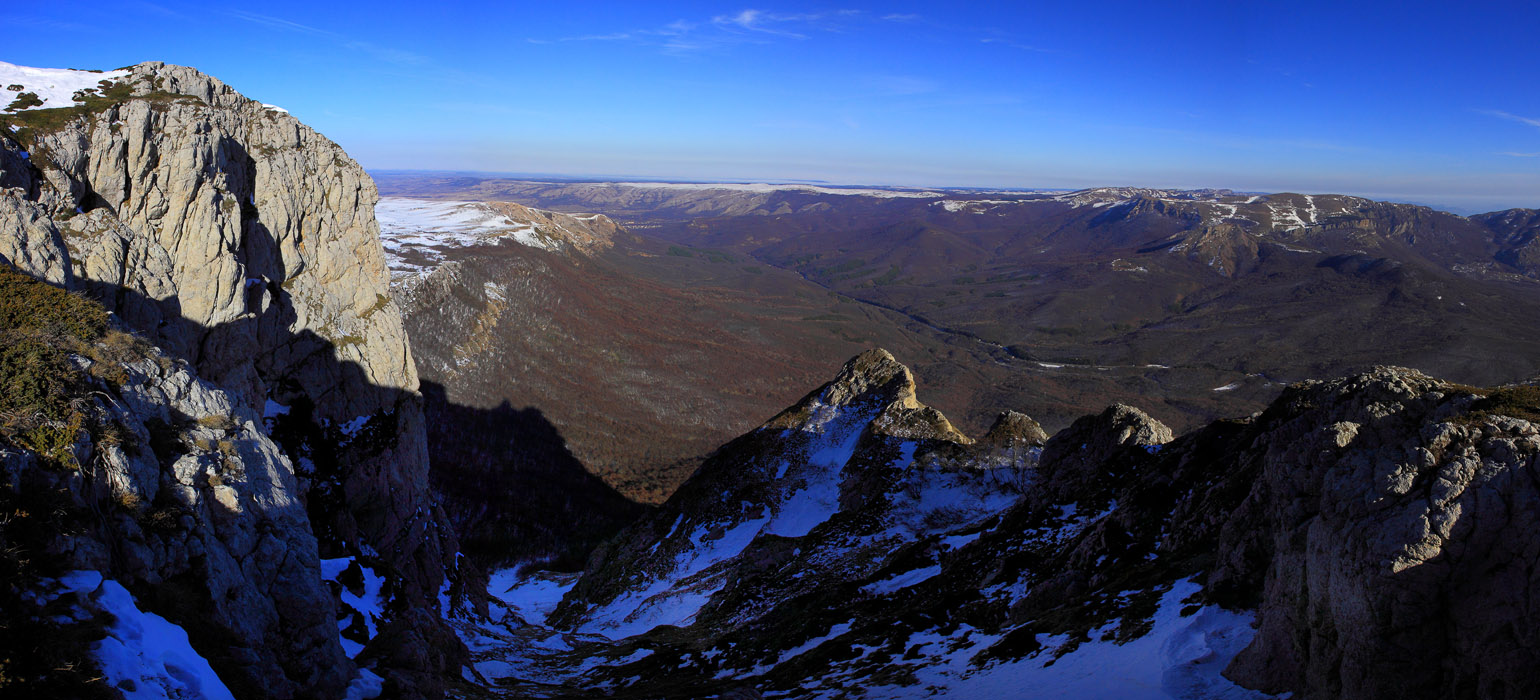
[(278, 23), (1514, 118), (379, 53), (749, 26), (756, 21), (1511, 117)]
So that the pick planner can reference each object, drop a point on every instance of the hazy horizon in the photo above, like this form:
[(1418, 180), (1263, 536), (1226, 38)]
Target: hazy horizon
[(645, 179), (1379, 100)]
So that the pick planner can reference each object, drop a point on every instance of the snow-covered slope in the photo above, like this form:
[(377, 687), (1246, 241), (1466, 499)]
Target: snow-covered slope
[(53, 87), (420, 234), (857, 545), (143, 655)]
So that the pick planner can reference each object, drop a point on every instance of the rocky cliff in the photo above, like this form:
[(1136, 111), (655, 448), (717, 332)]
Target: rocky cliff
[(1396, 514), (241, 241)]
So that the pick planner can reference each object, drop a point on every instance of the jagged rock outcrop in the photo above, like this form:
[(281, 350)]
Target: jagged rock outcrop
[(234, 237), (873, 379), (1399, 513), (198, 513), (1012, 428), (839, 484), (1096, 451), (31, 242)]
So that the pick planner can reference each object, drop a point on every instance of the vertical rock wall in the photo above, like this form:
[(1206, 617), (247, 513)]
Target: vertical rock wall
[(234, 237)]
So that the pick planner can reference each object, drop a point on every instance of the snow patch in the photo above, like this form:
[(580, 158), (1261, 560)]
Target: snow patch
[(975, 206), (763, 187), (956, 542), (352, 427), (56, 87), (143, 655), (370, 605), (813, 643), (1180, 657), (366, 686), (897, 583), (532, 598), (416, 229)]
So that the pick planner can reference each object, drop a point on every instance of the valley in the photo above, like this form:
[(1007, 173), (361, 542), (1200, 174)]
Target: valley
[(1196, 305)]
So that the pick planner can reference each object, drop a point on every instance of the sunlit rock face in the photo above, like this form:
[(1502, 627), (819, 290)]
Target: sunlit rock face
[(240, 240)]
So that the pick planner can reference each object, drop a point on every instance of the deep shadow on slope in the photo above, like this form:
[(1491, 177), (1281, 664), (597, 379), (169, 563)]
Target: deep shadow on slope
[(356, 448), (513, 490), (358, 503), (502, 477)]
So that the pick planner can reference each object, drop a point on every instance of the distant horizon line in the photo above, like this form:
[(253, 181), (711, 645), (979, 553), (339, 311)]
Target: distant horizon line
[(654, 179), (657, 179)]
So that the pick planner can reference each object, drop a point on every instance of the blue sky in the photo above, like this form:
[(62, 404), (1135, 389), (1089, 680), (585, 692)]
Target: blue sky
[(1417, 102)]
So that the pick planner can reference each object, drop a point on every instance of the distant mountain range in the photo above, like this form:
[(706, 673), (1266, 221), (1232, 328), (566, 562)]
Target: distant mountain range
[(1194, 304)]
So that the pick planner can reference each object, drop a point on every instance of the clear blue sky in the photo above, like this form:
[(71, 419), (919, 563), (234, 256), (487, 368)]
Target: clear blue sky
[(1428, 102)]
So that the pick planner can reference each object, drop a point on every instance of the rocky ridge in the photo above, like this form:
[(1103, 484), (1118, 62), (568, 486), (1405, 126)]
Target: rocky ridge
[(1366, 525)]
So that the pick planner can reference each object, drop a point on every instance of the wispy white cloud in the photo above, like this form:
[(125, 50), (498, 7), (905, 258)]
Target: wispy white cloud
[(279, 23), (1529, 121), (757, 21), (388, 54), (617, 36), (1511, 117), (746, 26), (385, 54)]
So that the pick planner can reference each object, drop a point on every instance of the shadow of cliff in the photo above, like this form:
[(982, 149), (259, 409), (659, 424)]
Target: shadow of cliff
[(512, 488), (503, 475)]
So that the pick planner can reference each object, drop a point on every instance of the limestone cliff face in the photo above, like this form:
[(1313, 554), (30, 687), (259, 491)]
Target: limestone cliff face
[(1398, 513), (238, 239), (233, 221)]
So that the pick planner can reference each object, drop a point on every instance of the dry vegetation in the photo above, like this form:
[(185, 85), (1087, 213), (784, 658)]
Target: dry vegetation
[(45, 404), (52, 343)]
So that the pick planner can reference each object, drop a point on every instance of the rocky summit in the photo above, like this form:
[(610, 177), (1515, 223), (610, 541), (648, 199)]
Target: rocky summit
[(264, 434)]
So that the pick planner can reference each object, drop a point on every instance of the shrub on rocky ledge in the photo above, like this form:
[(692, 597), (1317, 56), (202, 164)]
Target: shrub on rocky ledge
[(44, 393)]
